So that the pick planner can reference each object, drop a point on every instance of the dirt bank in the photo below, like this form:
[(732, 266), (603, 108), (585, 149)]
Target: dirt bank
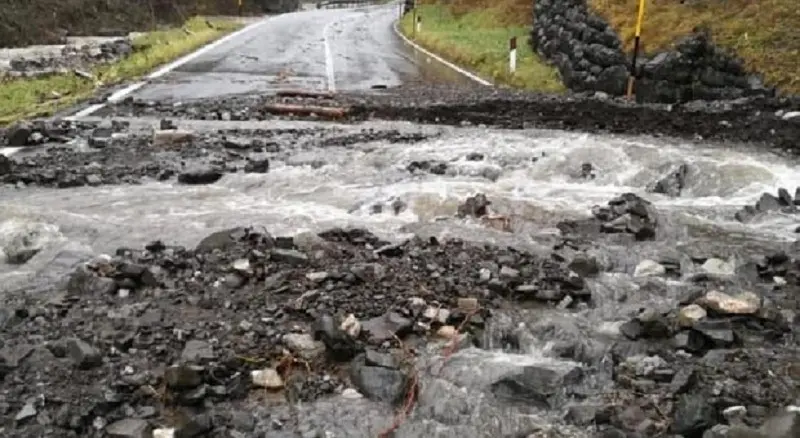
[(772, 122)]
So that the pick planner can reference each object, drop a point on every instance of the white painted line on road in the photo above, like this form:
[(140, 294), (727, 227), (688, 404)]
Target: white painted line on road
[(121, 94), (328, 58), (416, 46)]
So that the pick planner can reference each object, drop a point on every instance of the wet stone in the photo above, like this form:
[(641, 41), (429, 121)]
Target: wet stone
[(129, 428), (267, 378), (304, 345), (745, 303), (379, 383), (183, 376), (199, 176), (289, 256), (196, 351), (540, 385), (693, 416), (387, 326), (82, 354)]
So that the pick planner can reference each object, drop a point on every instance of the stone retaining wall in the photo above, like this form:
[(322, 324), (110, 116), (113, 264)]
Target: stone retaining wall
[(589, 55), (696, 70), (583, 46)]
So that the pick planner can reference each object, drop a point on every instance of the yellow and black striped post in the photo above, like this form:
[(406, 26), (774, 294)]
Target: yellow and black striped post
[(637, 39)]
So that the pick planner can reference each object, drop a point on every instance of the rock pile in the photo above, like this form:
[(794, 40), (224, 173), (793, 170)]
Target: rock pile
[(626, 214), (111, 153), (152, 331), (783, 202), (582, 45), (72, 58), (696, 70), (672, 183)]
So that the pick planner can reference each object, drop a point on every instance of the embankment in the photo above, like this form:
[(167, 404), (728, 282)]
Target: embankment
[(478, 41), (711, 50)]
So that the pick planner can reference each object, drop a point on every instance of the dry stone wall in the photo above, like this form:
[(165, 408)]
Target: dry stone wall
[(583, 46), (589, 55)]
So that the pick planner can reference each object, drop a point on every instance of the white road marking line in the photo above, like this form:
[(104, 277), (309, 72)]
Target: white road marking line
[(416, 46), (328, 58)]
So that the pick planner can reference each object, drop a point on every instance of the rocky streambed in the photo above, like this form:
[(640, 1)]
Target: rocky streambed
[(233, 278)]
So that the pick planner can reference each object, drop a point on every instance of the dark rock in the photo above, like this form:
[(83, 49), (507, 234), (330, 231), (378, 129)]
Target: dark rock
[(768, 202), (387, 326), (693, 416), (290, 256), (475, 206), (101, 137), (220, 240), (540, 385), (379, 383), (581, 415), (129, 428), (673, 183), (254, 165), (6, 165), (18, 134), (339, 345), (587, 171), (199, 176), (183, 376), (194, 426), (718, 332), (82, 354), (378, 359), (22, 256)]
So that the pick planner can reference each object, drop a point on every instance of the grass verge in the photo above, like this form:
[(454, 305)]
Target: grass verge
[(476, 41), (764, 33), (36, 97)]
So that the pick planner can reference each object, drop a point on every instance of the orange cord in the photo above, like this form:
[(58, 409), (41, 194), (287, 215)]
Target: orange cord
[(411, 395)]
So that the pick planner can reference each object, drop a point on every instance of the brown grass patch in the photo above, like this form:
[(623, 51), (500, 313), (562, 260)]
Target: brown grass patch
[(764, 33)]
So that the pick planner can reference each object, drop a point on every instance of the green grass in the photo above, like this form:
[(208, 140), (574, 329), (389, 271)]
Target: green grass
[(38, 97), (474, 41)]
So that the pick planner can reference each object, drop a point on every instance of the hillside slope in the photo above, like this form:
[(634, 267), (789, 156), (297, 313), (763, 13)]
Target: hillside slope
[(765, 34)]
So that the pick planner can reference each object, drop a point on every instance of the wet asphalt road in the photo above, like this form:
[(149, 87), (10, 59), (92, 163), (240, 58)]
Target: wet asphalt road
[(329, 49)]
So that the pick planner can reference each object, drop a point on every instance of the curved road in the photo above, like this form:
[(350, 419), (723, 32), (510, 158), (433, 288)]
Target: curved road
[(335, 49)]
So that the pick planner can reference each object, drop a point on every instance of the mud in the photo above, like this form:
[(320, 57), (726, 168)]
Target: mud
[(772, 122)]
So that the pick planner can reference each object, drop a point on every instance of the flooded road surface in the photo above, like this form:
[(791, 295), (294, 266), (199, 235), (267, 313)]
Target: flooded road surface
[(327, 49)]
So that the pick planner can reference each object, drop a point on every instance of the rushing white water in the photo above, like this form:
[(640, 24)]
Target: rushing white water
[(532, 176)]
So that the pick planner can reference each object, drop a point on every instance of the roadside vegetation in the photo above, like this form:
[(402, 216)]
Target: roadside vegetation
[(29, 97), (764, 33), (477, 39)]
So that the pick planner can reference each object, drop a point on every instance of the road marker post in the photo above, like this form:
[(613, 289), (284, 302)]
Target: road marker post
[(239, 9), (636, 41), (419, 24), (512, 55)]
